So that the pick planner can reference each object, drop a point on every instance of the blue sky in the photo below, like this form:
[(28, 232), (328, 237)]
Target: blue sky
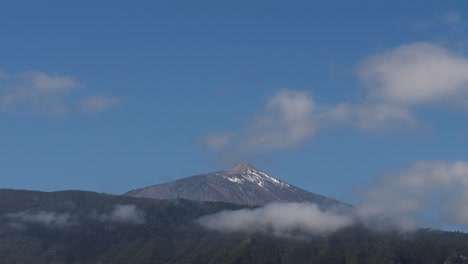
[(326, 95)]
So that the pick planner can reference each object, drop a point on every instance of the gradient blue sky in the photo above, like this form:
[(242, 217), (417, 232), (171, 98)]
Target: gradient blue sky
[(110, 96)]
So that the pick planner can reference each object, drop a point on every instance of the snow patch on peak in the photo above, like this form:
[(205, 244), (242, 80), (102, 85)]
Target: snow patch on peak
[(261, 178), (244, 172), (234, 179)]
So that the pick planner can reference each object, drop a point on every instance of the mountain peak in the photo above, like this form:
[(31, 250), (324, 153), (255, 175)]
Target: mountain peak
[(242, 184), (241, 168)]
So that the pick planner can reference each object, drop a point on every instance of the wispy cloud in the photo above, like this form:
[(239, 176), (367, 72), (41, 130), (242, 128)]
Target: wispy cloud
[(36, 91), (370, 116), (121, 213), (294, 220), (451, 18), (46, 218), (448, 19), (218, 140), (98, 103)]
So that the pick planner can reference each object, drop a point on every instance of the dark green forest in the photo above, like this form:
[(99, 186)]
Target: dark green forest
[(80, 227)]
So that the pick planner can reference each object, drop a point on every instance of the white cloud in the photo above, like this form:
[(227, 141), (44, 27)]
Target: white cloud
[(218, 141), (286, 121), (125, 214), (295, 220), (98, 103), (417, 73), (291, 117), (42, 217), (434, 191)]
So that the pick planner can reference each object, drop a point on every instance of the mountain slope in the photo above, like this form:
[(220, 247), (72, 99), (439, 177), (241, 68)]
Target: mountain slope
[(242, 184)]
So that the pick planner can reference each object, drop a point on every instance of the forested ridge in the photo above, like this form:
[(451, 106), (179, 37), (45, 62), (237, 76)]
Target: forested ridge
[(86, 227)]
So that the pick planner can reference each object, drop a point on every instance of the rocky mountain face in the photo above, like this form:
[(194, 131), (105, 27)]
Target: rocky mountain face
[(242, 184)]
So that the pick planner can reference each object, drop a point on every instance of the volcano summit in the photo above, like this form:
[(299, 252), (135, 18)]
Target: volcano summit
[(242, 184)]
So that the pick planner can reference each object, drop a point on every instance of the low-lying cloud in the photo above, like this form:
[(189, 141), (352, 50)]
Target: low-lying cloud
[(425, 193), (126, 214), (45, 218), (122, 214), (294, 220)]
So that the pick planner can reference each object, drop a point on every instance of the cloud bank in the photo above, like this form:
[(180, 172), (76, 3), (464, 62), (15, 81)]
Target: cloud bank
[(122, 214), (426, 191), (36, 91), (295, 220)]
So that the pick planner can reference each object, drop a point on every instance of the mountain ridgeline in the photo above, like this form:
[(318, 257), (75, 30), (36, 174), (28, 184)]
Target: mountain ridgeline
[(242, 184)]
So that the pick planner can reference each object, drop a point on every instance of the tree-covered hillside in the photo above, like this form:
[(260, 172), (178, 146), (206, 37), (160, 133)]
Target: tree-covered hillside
[(85, 227)]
